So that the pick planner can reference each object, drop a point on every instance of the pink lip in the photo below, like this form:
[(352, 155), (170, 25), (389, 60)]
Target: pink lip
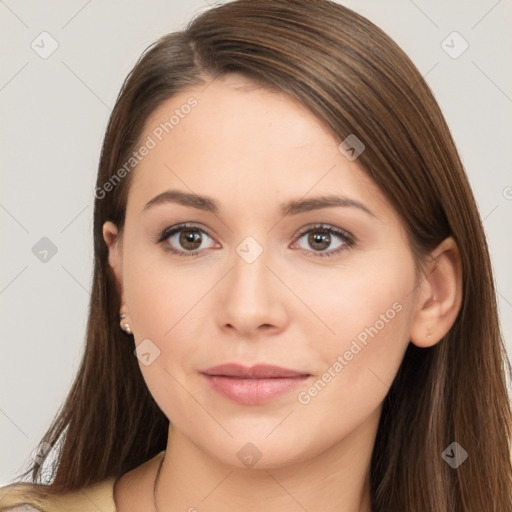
[(252, 386), (258, 371)]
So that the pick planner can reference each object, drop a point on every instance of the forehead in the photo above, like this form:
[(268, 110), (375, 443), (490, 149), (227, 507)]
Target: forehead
[(238, 141), (232, 110)]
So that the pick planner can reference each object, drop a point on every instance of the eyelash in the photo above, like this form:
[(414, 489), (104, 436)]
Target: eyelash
[(347, 239)]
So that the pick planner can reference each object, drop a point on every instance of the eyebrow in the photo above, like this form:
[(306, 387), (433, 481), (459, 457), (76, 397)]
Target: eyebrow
[(293, 207)]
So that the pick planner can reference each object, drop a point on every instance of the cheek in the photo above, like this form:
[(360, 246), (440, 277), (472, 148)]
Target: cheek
[(160, 292), (161, 302), (163, 305), (357, 364), (362, 320)]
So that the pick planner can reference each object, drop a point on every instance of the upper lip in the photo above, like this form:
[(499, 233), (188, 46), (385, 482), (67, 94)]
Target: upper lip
[(258, 371)]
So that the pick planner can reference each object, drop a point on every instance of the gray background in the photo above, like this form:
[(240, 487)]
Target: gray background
[(54, 112)]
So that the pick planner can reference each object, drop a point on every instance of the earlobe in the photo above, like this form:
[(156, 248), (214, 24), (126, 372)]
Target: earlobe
[(440, 296)]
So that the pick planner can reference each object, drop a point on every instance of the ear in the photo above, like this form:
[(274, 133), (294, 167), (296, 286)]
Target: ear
[(113, 241), (440, 295)]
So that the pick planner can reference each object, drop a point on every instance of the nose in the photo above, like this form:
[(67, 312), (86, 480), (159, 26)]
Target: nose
[(251, 299)]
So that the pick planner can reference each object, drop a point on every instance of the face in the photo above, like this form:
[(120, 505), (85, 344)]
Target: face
[(326, 292)]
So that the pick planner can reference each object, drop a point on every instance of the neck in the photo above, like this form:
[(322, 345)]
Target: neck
[(334, 480)]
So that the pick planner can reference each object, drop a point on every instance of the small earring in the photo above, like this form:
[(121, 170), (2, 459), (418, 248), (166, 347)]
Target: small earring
[(429, 333), (124, 326)]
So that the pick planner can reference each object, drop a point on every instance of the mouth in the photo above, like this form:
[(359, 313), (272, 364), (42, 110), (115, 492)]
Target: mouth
[(256, 385)]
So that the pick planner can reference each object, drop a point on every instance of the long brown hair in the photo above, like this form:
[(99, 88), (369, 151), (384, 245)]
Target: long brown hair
[(356, 80)]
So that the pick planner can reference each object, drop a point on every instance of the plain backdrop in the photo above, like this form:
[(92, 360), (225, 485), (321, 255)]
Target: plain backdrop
[(54, 109)]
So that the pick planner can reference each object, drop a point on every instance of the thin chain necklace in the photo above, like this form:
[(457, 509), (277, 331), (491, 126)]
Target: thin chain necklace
[(156, 482)]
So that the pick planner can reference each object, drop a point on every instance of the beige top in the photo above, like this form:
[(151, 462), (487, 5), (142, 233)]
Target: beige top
[(18, 497), (23, 508)]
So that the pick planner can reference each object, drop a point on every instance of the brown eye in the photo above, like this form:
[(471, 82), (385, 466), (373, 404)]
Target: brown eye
[(190, 239), (184, 240), (320, 238)]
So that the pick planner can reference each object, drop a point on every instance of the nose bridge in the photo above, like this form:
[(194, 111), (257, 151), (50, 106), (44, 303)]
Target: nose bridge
[(249, 297), (250, 273)]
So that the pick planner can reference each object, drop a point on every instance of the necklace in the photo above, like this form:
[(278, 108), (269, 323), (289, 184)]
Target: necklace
[(156, 482)]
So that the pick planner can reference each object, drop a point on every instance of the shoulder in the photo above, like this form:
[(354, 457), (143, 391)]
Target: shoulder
[(19, 497), (27, 497)]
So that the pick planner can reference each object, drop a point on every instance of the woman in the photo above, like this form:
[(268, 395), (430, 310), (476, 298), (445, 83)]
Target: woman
[(286, 241)]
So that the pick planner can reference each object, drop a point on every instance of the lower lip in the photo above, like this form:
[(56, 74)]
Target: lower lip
[(254, 391)]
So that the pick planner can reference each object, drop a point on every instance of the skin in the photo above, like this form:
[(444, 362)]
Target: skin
[(251, 149)]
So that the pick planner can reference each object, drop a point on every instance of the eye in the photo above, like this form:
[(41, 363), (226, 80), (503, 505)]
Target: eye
[(187, 236), (187, 240), (320, 237)]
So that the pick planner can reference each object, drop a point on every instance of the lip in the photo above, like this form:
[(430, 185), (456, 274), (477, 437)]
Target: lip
[(258, 371), (254, 385)]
